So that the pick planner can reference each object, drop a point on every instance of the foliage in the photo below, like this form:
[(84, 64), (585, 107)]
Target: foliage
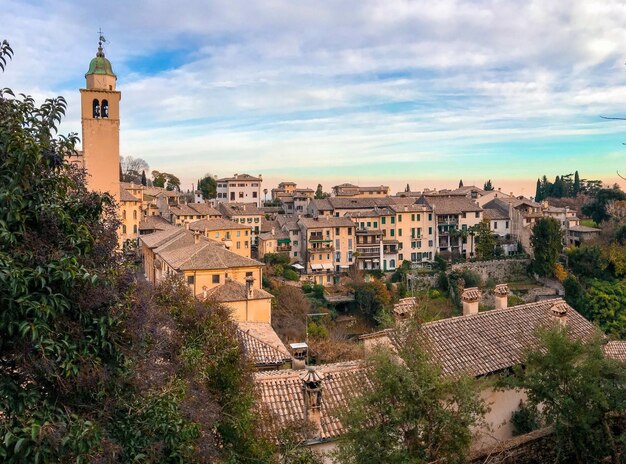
[(603, 302), (401, 272), (372, 298), (289, 312), (307, 287), (485, 240), (578, 389), (547, 243), (597, 208), (60, 330), (319, 193), (132, 169), (514, 300), (443, 283), (587, 261), (165, 180), (559, 272), (525, 419), (208, 186), (488, 186), (565, 186), (276, 258), (615, 254), (410, 413), (441, 264), (317, 330), (290, 274)]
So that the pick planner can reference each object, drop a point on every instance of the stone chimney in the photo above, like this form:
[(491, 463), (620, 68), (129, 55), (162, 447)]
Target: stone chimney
[(312, 392), (558, 312), (501, 292), (196, 237), (249, 287), (470, 298)]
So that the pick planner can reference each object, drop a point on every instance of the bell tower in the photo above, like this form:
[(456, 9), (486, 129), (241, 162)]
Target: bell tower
[(100, 116)]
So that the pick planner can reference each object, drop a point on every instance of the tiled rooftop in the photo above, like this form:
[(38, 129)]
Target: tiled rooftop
[(261, 344)]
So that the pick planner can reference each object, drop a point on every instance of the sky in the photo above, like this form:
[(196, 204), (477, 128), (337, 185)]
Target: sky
[(369, 92)]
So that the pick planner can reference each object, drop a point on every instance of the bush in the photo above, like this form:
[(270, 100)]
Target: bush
[(307, 287), (290, 274), (471, 278), (490, 283), (440, 263), (514, 300), (443, 283), (277, 258), (317, 331), (525, 419), (279, 270), (434, 294), (318, 291)]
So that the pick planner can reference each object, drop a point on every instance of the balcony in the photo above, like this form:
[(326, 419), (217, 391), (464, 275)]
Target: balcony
[(368, 252), (319, 237), (320, 248), (283, 248), (369, 232)]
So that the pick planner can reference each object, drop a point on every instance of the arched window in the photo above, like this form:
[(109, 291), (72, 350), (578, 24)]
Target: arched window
[(124, 214), (134, 214), (96, 108), (105, 108)]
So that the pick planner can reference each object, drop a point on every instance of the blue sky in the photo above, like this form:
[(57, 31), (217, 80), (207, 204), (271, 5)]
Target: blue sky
[(391, 91)]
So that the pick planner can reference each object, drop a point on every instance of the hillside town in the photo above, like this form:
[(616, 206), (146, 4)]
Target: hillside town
[(232, 320)]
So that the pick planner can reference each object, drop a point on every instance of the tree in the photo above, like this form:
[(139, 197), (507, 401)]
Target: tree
[(576, 187), (577, 391), (165, 180), (144, 181), (557, 188), (409, 412), (158, 179), (597, 208), (539, 191), (319, 193), (485, 241), (460, 183), (488, 186), (587, 261), (547, 244), (208, 186), (131, 168), (603, 302), (372, 298), (407, 189)]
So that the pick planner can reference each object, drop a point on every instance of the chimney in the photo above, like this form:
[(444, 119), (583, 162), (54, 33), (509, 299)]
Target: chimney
[(187, 225), (249, 287), (312, 391), (273, 231), (470, 298), (196, 237), (501, 292), (558, 312)]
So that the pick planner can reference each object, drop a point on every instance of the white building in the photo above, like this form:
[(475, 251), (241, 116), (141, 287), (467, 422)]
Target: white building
[(241, 188)]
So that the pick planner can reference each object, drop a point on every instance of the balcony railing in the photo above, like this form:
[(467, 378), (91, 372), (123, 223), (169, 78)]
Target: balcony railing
[(368, 251), (283, 248), (320, 248)]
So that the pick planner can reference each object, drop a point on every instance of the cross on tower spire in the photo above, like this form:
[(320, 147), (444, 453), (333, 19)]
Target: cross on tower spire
[(101, 40)]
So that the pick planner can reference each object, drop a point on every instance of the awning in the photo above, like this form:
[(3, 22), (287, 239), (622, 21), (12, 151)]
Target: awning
[(327, 266), (344, 267), (298, 266), (316, 267)]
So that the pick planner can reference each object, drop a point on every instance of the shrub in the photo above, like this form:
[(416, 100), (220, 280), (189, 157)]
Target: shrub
[(290, 274), (525, 419), (434, 294), (307, 287), (443, 283)]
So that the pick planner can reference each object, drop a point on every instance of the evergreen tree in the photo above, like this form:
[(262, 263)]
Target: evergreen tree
[(485, 241), (460, 183), (121, 173), (538, 191), (488, 186), (208, 186), (407, 188), (547, 243), (576, 186), (144, 180), (557, 189)]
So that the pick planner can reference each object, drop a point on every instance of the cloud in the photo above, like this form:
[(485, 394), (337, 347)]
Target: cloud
[(234, 85)]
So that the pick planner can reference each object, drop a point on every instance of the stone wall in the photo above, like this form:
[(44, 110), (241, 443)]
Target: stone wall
[(502, 271)]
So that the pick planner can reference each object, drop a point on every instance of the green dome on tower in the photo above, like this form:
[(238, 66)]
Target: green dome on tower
[(100, 65)]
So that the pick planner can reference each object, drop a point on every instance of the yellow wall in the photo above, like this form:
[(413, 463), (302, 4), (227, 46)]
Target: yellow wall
[(252, 310), (236, 240), (130, 215), (101, 141), (204, 278)]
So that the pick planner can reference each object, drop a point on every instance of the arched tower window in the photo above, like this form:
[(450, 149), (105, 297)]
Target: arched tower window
[(96, 108), (105, 109)]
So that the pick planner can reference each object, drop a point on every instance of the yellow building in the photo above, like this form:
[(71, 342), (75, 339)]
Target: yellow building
[(206, 266), (191, 212), (100, 117), (233, 235)]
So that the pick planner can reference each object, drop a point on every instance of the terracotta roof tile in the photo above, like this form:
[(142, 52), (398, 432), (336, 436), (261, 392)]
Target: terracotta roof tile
[(616, 349)]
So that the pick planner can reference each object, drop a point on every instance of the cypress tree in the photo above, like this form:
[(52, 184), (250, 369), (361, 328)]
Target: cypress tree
[(538, 191), (576, 189), (144, 181), (460, 183)]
